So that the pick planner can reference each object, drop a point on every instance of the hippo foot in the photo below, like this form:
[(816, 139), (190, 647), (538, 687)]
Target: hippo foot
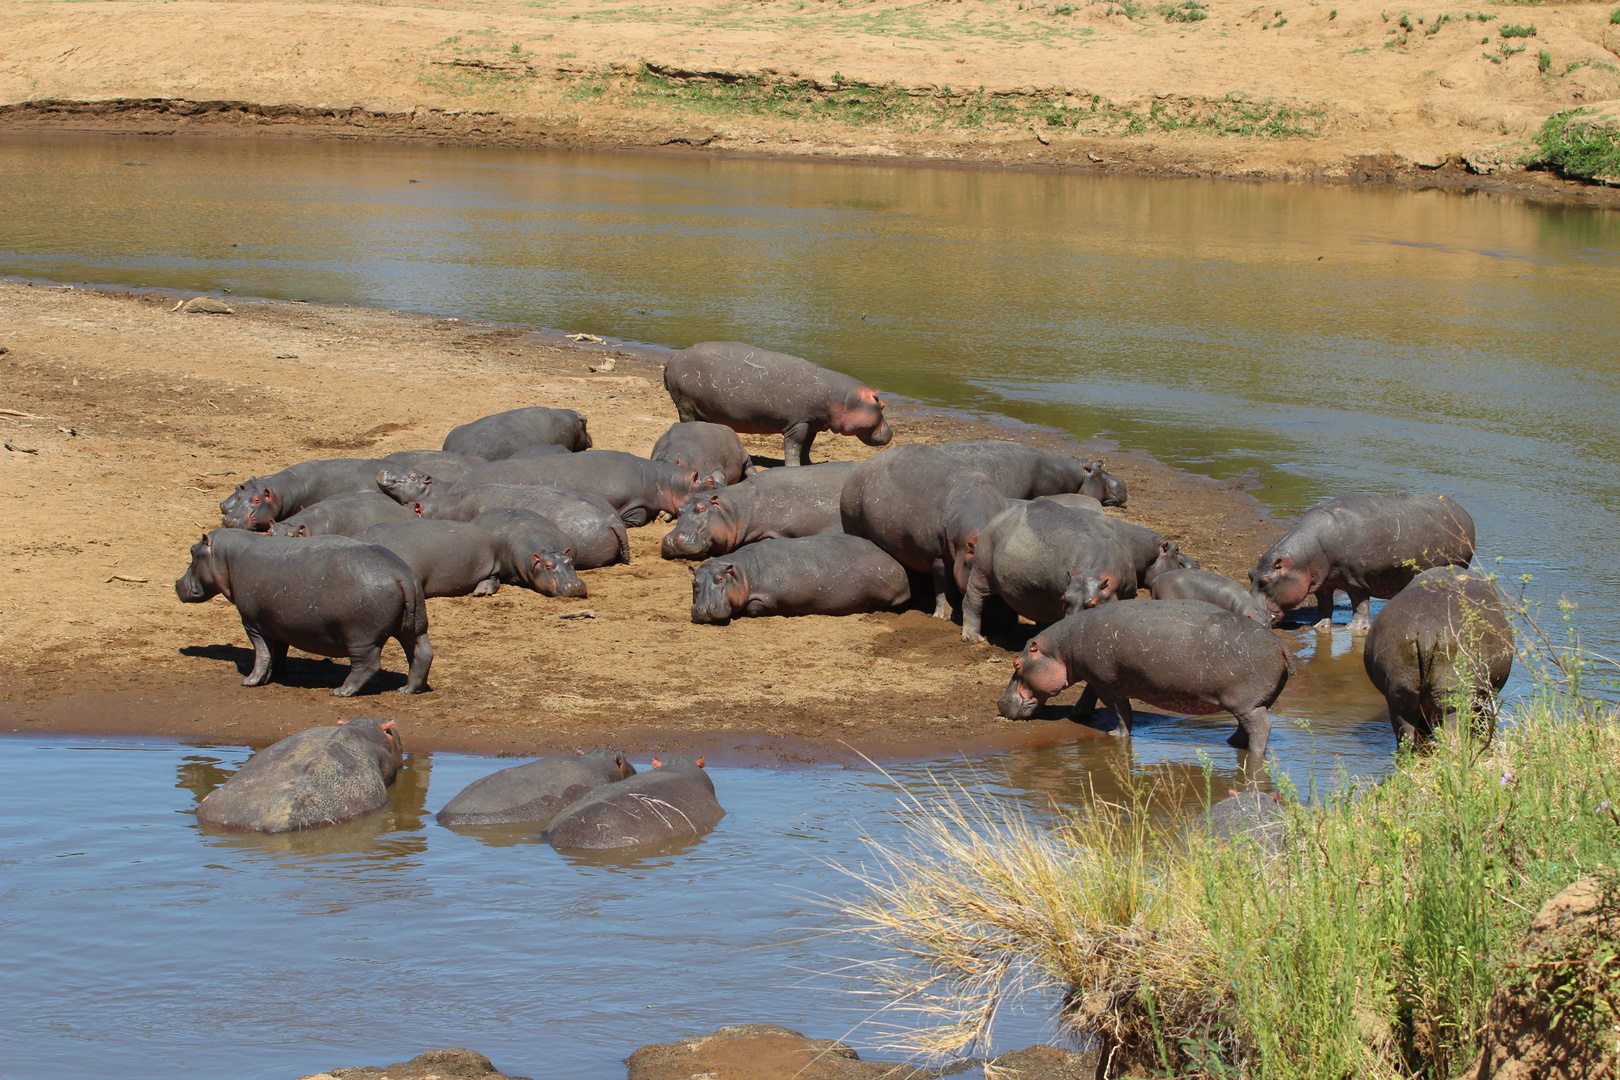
[(408, 689), (1324, 626), (256, 680), (974, 639), (1359, 625), (1238, 740), (345, 691)]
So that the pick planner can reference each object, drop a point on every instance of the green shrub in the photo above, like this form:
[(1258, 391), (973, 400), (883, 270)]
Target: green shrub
[(1578, 149), (1614, 17), (1544, 61), (1188, 11), (1517, 31)]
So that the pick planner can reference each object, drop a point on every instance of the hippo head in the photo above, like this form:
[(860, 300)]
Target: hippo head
[(1087, 590), (289, 528), (262, 509), (582, 438), (718, 591), (1169, 558), (694, 533), (383, 741), (861, 414), (551, 573), (241, 509), (1101, 484), (202, 579), (1279, 583), (674, 485), (1037, 675), (404, 487)]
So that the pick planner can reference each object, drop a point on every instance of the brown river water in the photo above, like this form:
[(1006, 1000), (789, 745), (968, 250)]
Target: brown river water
[(1312, 340)]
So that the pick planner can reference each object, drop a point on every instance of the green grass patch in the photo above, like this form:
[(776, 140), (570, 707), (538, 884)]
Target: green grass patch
[(1188, 11), (1579, 148), (1614, 17), (1517, 31)]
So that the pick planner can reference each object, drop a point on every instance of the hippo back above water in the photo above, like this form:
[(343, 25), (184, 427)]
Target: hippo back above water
[(322, 776), (674, 800), (759, 392), (503, 434), (534, 793)]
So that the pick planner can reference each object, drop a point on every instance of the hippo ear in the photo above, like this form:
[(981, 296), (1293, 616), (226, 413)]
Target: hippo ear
[(700, 762), (692, 568), (340, 723), (968, 547), (387, 725), (1034, 647), (716, 479), (206, 542), (568, 551), (418, 508), (714, 500), (657, 764)]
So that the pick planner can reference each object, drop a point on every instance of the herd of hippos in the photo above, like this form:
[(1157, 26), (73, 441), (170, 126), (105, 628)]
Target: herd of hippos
[(335, 557)]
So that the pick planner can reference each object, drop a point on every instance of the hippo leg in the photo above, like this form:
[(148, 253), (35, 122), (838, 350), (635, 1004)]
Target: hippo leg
[(796, 442), (1360, 619), (1324, 609), (635, 516), (942, 583), (973, 608), (1086, 707), (1122, 709), (362, 666), (419, 655), (268, 657), (488, 587), (1253, 731)]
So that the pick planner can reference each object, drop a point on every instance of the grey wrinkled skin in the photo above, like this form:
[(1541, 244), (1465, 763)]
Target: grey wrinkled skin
[(759, 392), (1102, 485), (1183, 655), (636, 487), (1046, 561), (264, 500), (674, 801), (449, 558), (1021, 472), (342, 515), (1367, 545), (594, 530), (327, 595), (925, 508), (534, 793), (532, 453), (497, 437), (438, 463), (810, 575), (1169, 581), (322, 776), (1075, 501), (1145, 545), (712, 449), (773, 504), (532, 550), (1441, 640)]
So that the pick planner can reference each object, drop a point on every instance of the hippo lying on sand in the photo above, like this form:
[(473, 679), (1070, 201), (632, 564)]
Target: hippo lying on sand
[(260, 502), (535, 792), (1102, 485), (1183, 655), (327, 595), (810, 575), (445, 466), (773, 504), (342, 515), (712, 449), (636, 487), (1442, 639), (758, 392), (1367, 545), (595, 532), (322, 776), (532, 550), (674, 800), (497, 437)]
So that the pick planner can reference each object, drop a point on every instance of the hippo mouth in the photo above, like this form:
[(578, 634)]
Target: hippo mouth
[(683, 546), (1017, 703)]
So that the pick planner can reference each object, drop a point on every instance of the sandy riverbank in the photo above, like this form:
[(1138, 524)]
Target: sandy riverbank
[(1356, 92), (141, 419)]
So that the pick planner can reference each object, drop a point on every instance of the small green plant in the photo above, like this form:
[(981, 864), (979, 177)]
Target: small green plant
[(1188, 11), (1277, 21), (1439, 21), (1333, 14), (1578, 148), (1510, 51), (1614, 17), (1405, 23), (1517, 31), (1478, 16), (1544, 61)]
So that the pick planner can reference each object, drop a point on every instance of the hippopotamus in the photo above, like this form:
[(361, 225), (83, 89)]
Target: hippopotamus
[(438, 463), (1171, 581), (808, 575), (496, 437), (772, 504), (534, 793), (1046, 561), (634, 486), (1145, 546), (1102, 485), (449, 558), (1441, 640), (1021, 472), (342, 515), (672, 801), (260, 502), (595, 533), (532, 550), (1075, 501), (712, 449), (924, 507), (758, 392), (1184, 655), (327, 595), (530, 453), (322, 776), (1367, 545)]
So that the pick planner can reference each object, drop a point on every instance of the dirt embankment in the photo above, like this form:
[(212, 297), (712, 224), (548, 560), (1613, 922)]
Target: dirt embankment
[(1446, 94), (126, 422)]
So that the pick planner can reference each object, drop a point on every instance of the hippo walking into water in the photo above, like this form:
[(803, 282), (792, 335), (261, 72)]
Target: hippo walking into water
[(1367, 545), (322, 776), (534, 793), (808, 575), (773, 504), (497, 437), (758, 392), (327, 595), (674, 800)]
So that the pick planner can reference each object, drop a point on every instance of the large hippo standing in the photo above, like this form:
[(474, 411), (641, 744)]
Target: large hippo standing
[(342, 515), (1184, 655), (595, 532), (322, 776), (758, 392), (674, 800), (534, 793), (264, 500), (636, 487), (327, 595), (503, 434), (809, 575), (1169, 580), (532, 550), (1021, 472), (924, 507), (1146, 547), (1046, 561), (1367, 545), (1440, 641), (712, 449), (449, 558), (772, 504)]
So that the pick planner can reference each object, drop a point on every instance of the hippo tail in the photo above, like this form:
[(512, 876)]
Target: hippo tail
[(413, 619), (624, 541)]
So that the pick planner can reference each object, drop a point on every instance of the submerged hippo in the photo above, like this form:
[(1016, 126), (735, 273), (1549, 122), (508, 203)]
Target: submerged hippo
[(1169, 580), (327, 595), (497, 437), (772, 504), (449, 558), (925, 508), (532, 550), (534, 793), (1184, 655), (322, 776), (672, 801), (636, 487), (712, 449), (264, 500), (1367, 545), (342, 515), (1021, 472), (1102, 485), (1443, 641), (758, 392), (595, 532), (1046, 561), (808, 575)]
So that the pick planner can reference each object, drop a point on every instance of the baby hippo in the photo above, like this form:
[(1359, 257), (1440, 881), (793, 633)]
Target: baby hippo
[(1169, 580), (322, 776), (1184, 655), (342, 515), (831, 574), (712, 449), (531, 550), (534, 793), (673, 801)]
